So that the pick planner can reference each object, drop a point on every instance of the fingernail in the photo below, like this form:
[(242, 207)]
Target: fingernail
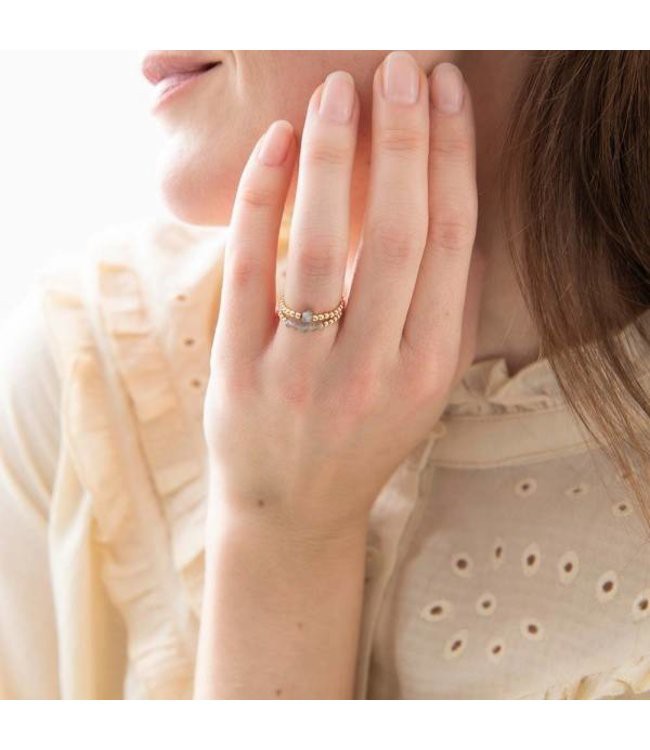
[(275, 143), (401, 78), (337, 97), (447, 88)]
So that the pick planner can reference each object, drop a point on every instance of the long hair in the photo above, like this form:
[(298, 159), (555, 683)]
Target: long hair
[(575, 184)]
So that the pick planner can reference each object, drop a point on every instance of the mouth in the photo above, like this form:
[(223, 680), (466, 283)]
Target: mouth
[(169, 71)]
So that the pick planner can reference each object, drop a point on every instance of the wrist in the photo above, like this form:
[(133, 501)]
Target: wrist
[(281, 608), (301, 534)]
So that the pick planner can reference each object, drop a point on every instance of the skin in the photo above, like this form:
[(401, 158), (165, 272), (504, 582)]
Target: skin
[(286, 533), (211, 132)]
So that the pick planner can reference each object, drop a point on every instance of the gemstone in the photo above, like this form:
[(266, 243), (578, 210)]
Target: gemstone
[(307, 316)]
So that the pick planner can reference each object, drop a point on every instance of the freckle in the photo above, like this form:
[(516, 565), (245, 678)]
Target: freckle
[(260, 503), (278, 691), (299, 626)]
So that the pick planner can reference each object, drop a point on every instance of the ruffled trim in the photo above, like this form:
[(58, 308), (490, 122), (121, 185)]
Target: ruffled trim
[(117, 370), (168, 413), (632, 677), (488, 388), (132, 564)]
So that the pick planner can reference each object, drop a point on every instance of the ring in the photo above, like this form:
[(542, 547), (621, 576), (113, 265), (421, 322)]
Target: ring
[(308, 320)]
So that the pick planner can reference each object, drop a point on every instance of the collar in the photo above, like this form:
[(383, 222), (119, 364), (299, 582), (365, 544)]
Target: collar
[(494, 418)]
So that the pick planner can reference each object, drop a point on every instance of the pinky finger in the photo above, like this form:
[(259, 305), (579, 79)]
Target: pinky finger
[(434, 325), (247, 304)]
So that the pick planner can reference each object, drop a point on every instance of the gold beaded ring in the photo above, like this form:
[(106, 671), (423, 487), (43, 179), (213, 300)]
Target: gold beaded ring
[(308, 320)]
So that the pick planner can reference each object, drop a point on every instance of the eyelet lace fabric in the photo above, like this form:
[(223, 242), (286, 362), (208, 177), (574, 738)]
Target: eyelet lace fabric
[(506, 557)]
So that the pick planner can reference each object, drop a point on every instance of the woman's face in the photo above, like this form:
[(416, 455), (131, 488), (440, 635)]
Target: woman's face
[(214, 121)]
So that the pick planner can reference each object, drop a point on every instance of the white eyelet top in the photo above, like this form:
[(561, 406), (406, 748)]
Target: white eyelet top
[(506, 557)]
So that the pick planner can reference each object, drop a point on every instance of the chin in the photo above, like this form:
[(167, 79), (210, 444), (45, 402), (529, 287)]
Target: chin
[(197, 189)]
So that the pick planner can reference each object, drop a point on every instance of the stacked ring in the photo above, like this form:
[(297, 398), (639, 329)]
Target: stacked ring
[(308, 320)]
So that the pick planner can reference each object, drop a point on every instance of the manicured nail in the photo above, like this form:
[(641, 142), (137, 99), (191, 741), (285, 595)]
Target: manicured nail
[(274, 147), (447, 88), (401, 78), (337, 97)]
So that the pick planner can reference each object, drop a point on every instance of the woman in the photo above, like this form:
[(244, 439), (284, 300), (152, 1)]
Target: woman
[(408, 460)]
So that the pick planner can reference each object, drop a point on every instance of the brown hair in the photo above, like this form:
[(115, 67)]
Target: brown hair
[(575, 188)]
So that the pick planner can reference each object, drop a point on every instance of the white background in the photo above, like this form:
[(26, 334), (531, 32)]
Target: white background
[(78, 152)]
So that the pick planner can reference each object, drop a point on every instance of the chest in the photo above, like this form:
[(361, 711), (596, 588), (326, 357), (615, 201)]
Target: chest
[(513, 581)]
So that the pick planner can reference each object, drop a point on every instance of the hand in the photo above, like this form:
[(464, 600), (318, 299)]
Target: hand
[(304, 429)]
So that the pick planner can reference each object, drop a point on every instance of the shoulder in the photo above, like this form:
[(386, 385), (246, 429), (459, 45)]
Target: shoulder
[(29, 402)]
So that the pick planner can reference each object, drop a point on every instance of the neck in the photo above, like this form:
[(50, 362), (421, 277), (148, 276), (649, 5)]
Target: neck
[(505, 327)]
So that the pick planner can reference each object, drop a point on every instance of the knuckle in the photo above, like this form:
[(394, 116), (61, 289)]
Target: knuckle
[(316, 265), (318, 256), (244, 271), (325, 154), (396, 243), (402, 140), (294, 388), (451, 235), (360, 393), (429, 372), (231, 378), (456, 148), (257, 196)]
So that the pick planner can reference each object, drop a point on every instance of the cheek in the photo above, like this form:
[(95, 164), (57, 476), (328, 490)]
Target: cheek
[(198, 173), (209, 136), (210, 139), (211, 132)]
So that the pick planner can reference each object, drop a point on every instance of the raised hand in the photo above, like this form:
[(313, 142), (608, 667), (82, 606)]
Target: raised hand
[(304, 428)]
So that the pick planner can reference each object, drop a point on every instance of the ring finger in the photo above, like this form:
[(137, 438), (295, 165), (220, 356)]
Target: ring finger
[(319, 234)]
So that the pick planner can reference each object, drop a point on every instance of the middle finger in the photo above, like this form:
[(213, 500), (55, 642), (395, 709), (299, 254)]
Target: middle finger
[(319, 235), (395, 227)]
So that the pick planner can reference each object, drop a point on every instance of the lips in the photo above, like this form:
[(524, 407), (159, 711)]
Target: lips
[(158, 66), (171, 72)]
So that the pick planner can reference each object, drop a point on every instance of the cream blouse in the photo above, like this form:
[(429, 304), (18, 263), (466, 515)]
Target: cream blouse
[(505, 559)]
